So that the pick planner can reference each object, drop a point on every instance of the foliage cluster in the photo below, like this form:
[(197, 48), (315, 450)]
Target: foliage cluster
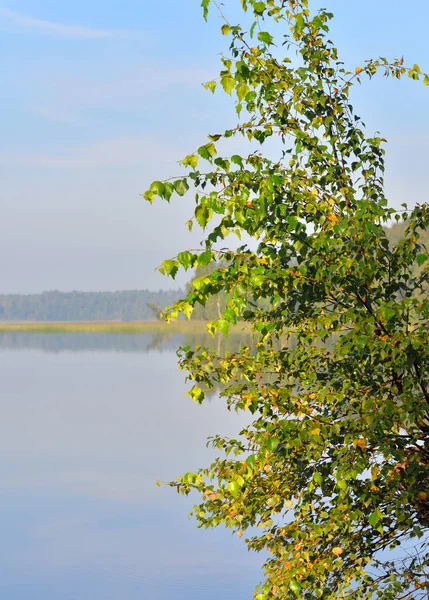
[(331, 478)]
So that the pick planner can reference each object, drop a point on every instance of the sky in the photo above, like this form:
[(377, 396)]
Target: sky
[(100, 98)]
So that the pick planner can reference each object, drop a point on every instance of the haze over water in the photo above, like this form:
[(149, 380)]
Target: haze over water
[(89, 423)]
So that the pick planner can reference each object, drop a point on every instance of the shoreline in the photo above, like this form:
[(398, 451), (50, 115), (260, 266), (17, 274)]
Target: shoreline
[(159, 327)]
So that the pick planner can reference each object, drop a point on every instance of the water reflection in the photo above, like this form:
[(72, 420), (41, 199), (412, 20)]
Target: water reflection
[(83, 437), (117, 342)]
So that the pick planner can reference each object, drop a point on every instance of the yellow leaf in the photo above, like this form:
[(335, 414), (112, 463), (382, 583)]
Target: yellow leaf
[(240, 533), (374, 473), (358, 70), (359, 444), (337, 551)]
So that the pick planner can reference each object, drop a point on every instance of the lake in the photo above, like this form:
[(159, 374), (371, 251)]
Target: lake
[(89, 423)]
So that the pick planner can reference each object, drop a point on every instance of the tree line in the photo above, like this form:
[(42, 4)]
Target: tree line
[(129, 305)]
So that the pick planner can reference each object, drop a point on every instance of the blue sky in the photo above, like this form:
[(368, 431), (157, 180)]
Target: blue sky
[(99, 98)]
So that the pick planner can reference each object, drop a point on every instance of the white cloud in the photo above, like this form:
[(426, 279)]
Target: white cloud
[(51, 28)]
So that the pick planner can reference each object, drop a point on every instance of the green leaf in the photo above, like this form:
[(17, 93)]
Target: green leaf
[(259, 7), (234, 489), (388, 313), (240, 481), (187, 309), (375, 518), (295, 587), (207, 151), (168, 190), (202, 215), (211, 149), (203, 152), (210, 85), (205, 7), (237, 160), (242, 90), (190, 161), (299, 23), (228, 84), (205, 258), (342, 484), (196, 394), (265, 37), (272, 444), (157, 188), (222, 325), (149, 196), (317, 478), (185, 259), (189, 478), (258, 280), (181, 186), (170, 267), (250, 460)]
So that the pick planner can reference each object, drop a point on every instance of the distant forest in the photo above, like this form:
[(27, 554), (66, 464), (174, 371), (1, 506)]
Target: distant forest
[(133, 305)]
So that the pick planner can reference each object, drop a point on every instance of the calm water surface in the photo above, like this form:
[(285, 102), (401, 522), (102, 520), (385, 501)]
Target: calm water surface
[(89, 423)]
